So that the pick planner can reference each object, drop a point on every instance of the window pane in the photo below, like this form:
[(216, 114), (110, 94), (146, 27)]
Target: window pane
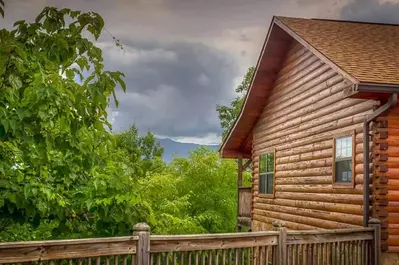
[(270, 162), (262, 183), (343, 147), (262, 164), (343, 171), (270, 185)]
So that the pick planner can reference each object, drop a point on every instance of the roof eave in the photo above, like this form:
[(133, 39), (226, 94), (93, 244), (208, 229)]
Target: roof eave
[(222, 146)]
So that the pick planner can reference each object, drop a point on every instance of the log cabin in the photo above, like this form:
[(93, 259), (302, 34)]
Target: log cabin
[(320, 129)]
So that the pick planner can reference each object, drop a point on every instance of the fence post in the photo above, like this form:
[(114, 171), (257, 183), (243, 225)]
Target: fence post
[(282, 242), (142, 230), (376, 245)]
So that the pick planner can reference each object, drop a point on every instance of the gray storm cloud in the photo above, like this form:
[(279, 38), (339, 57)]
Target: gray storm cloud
[(183, 57), (172, 88), (372, 11)]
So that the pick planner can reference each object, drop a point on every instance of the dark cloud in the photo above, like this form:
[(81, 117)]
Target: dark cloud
[(173, 89), (181, 57), (371, 11)]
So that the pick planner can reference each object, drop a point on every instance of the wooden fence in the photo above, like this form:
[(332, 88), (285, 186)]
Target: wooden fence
[(279, 247)]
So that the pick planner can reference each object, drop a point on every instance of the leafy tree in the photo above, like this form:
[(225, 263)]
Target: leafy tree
[(53, 139), (228, 114), (62, 174), (211, 184), (144, 153)]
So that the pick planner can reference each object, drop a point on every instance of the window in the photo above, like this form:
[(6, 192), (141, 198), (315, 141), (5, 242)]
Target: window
[(266, 173), (343, 159)]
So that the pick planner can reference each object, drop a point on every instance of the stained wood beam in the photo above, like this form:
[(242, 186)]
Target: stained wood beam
[(247, 164)]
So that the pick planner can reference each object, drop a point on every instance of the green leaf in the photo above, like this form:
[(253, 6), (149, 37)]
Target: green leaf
[(15, 81), (87, 81), (19, 22)]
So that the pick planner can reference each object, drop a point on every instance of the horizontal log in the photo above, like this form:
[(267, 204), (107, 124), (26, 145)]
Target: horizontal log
[(316, 205), (288, 224), (390, 131), (392, 151), (304, 180), (325, 215), (318, 146), (393, 195), (319, 154), (300, 164), (325, 127), (393, 162), (308, 115), (359, 168), (308, 109), (306, 140), (291, 65), (334, 198), (391, 173), (359, 147), (294, 101), (297, 55), (393, 218), (393, 240), (393, 249), (317, 89), (66, 249), (391, 141), (327, 118), (359, 178), (303, 220), (312, 68), (319, 188), (322, 171)]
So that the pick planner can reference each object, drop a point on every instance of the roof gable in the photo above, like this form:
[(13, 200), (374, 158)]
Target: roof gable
[(336, 43)]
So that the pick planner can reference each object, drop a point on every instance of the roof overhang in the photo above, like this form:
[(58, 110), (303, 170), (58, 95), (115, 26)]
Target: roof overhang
[(374, 91), (238, 142)]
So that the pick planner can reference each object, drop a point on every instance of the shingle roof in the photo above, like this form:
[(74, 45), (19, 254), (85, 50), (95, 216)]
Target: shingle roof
[(368, 52)]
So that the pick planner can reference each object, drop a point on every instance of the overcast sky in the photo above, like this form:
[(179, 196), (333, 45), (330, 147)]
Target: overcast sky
[(183, 57)]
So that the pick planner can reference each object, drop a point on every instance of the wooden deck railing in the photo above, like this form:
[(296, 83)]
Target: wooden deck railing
[(280, 247)]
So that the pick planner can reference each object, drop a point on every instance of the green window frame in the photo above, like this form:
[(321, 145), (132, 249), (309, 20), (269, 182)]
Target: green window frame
[(266, 173)]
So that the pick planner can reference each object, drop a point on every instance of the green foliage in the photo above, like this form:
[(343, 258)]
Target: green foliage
[(53, 138), (194, 194), (62, 173), (228, 114)]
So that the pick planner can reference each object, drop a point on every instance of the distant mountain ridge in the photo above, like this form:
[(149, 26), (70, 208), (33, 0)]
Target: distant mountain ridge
[(179, 149)]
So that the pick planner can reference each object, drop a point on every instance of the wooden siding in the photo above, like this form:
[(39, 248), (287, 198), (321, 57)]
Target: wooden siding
[(386, 180), (305, 110)]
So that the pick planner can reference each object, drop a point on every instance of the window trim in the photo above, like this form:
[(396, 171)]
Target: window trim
[(344, 185), (268, 195)]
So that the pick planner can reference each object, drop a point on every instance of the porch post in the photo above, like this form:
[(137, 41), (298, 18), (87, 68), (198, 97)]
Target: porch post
[(239, 184), (142, 230), (282, 242), (376, 245)]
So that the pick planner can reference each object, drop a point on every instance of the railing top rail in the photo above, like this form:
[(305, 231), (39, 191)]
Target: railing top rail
[(64, 242), (214, 236), (330, 231)]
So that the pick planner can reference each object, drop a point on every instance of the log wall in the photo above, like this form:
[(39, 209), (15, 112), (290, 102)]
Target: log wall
[(305, 110), (386, 178)]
